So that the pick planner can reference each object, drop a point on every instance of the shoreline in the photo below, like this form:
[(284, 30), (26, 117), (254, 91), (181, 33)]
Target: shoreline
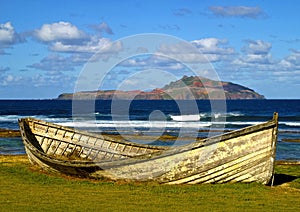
[(7, 133), (295, 140)]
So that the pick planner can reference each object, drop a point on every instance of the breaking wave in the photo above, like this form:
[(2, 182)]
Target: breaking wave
[(197, 117), (185, 117)]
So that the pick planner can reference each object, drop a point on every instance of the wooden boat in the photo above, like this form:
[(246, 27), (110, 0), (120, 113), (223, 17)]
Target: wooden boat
[(245, 155), (64, 142)]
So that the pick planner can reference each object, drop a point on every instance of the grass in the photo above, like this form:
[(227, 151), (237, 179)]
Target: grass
[(26, 188)]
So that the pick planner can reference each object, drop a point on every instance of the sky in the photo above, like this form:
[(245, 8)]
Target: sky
[(46, 46)]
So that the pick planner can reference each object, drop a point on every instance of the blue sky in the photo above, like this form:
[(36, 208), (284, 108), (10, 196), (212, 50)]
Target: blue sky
[(45, 45)]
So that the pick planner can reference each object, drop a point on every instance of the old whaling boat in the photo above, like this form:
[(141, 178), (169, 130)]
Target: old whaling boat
[(63, 142), (245, 155)]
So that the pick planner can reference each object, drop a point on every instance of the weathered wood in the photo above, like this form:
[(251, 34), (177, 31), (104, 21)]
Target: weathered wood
[(54, 140), (244, 155)]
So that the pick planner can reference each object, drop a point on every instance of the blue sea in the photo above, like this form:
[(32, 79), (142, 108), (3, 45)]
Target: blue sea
[(155, 117)]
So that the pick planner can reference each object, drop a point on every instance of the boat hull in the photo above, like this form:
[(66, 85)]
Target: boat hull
[(245, 155)]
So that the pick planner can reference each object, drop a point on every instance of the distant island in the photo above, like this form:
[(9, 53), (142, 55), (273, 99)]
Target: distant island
[(187, 88)]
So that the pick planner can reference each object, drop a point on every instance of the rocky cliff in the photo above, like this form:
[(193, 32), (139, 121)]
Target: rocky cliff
[(187, 88)]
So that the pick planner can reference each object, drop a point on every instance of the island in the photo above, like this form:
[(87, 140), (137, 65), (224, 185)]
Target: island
[(186, 88)]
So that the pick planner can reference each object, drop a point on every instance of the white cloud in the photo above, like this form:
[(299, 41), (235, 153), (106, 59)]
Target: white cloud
[(7, 33), (183, 52), (8, 36), (290, 64), (153, 62), (257, 66), (198, 51), (212, 46), (10, 80), (57, 63), (134, 62), (237, 11), (53, 79), (94, 45), (66, 37), (256, 56), (252, 63), (175, 57), (59, 31), (103, 27), (71, 48), (293, 58), (257, 47)]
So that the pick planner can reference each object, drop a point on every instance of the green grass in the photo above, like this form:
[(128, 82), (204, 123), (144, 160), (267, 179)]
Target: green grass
[(26, 188)]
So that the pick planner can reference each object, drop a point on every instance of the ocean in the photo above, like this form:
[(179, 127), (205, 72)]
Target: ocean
[(155, 117)]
